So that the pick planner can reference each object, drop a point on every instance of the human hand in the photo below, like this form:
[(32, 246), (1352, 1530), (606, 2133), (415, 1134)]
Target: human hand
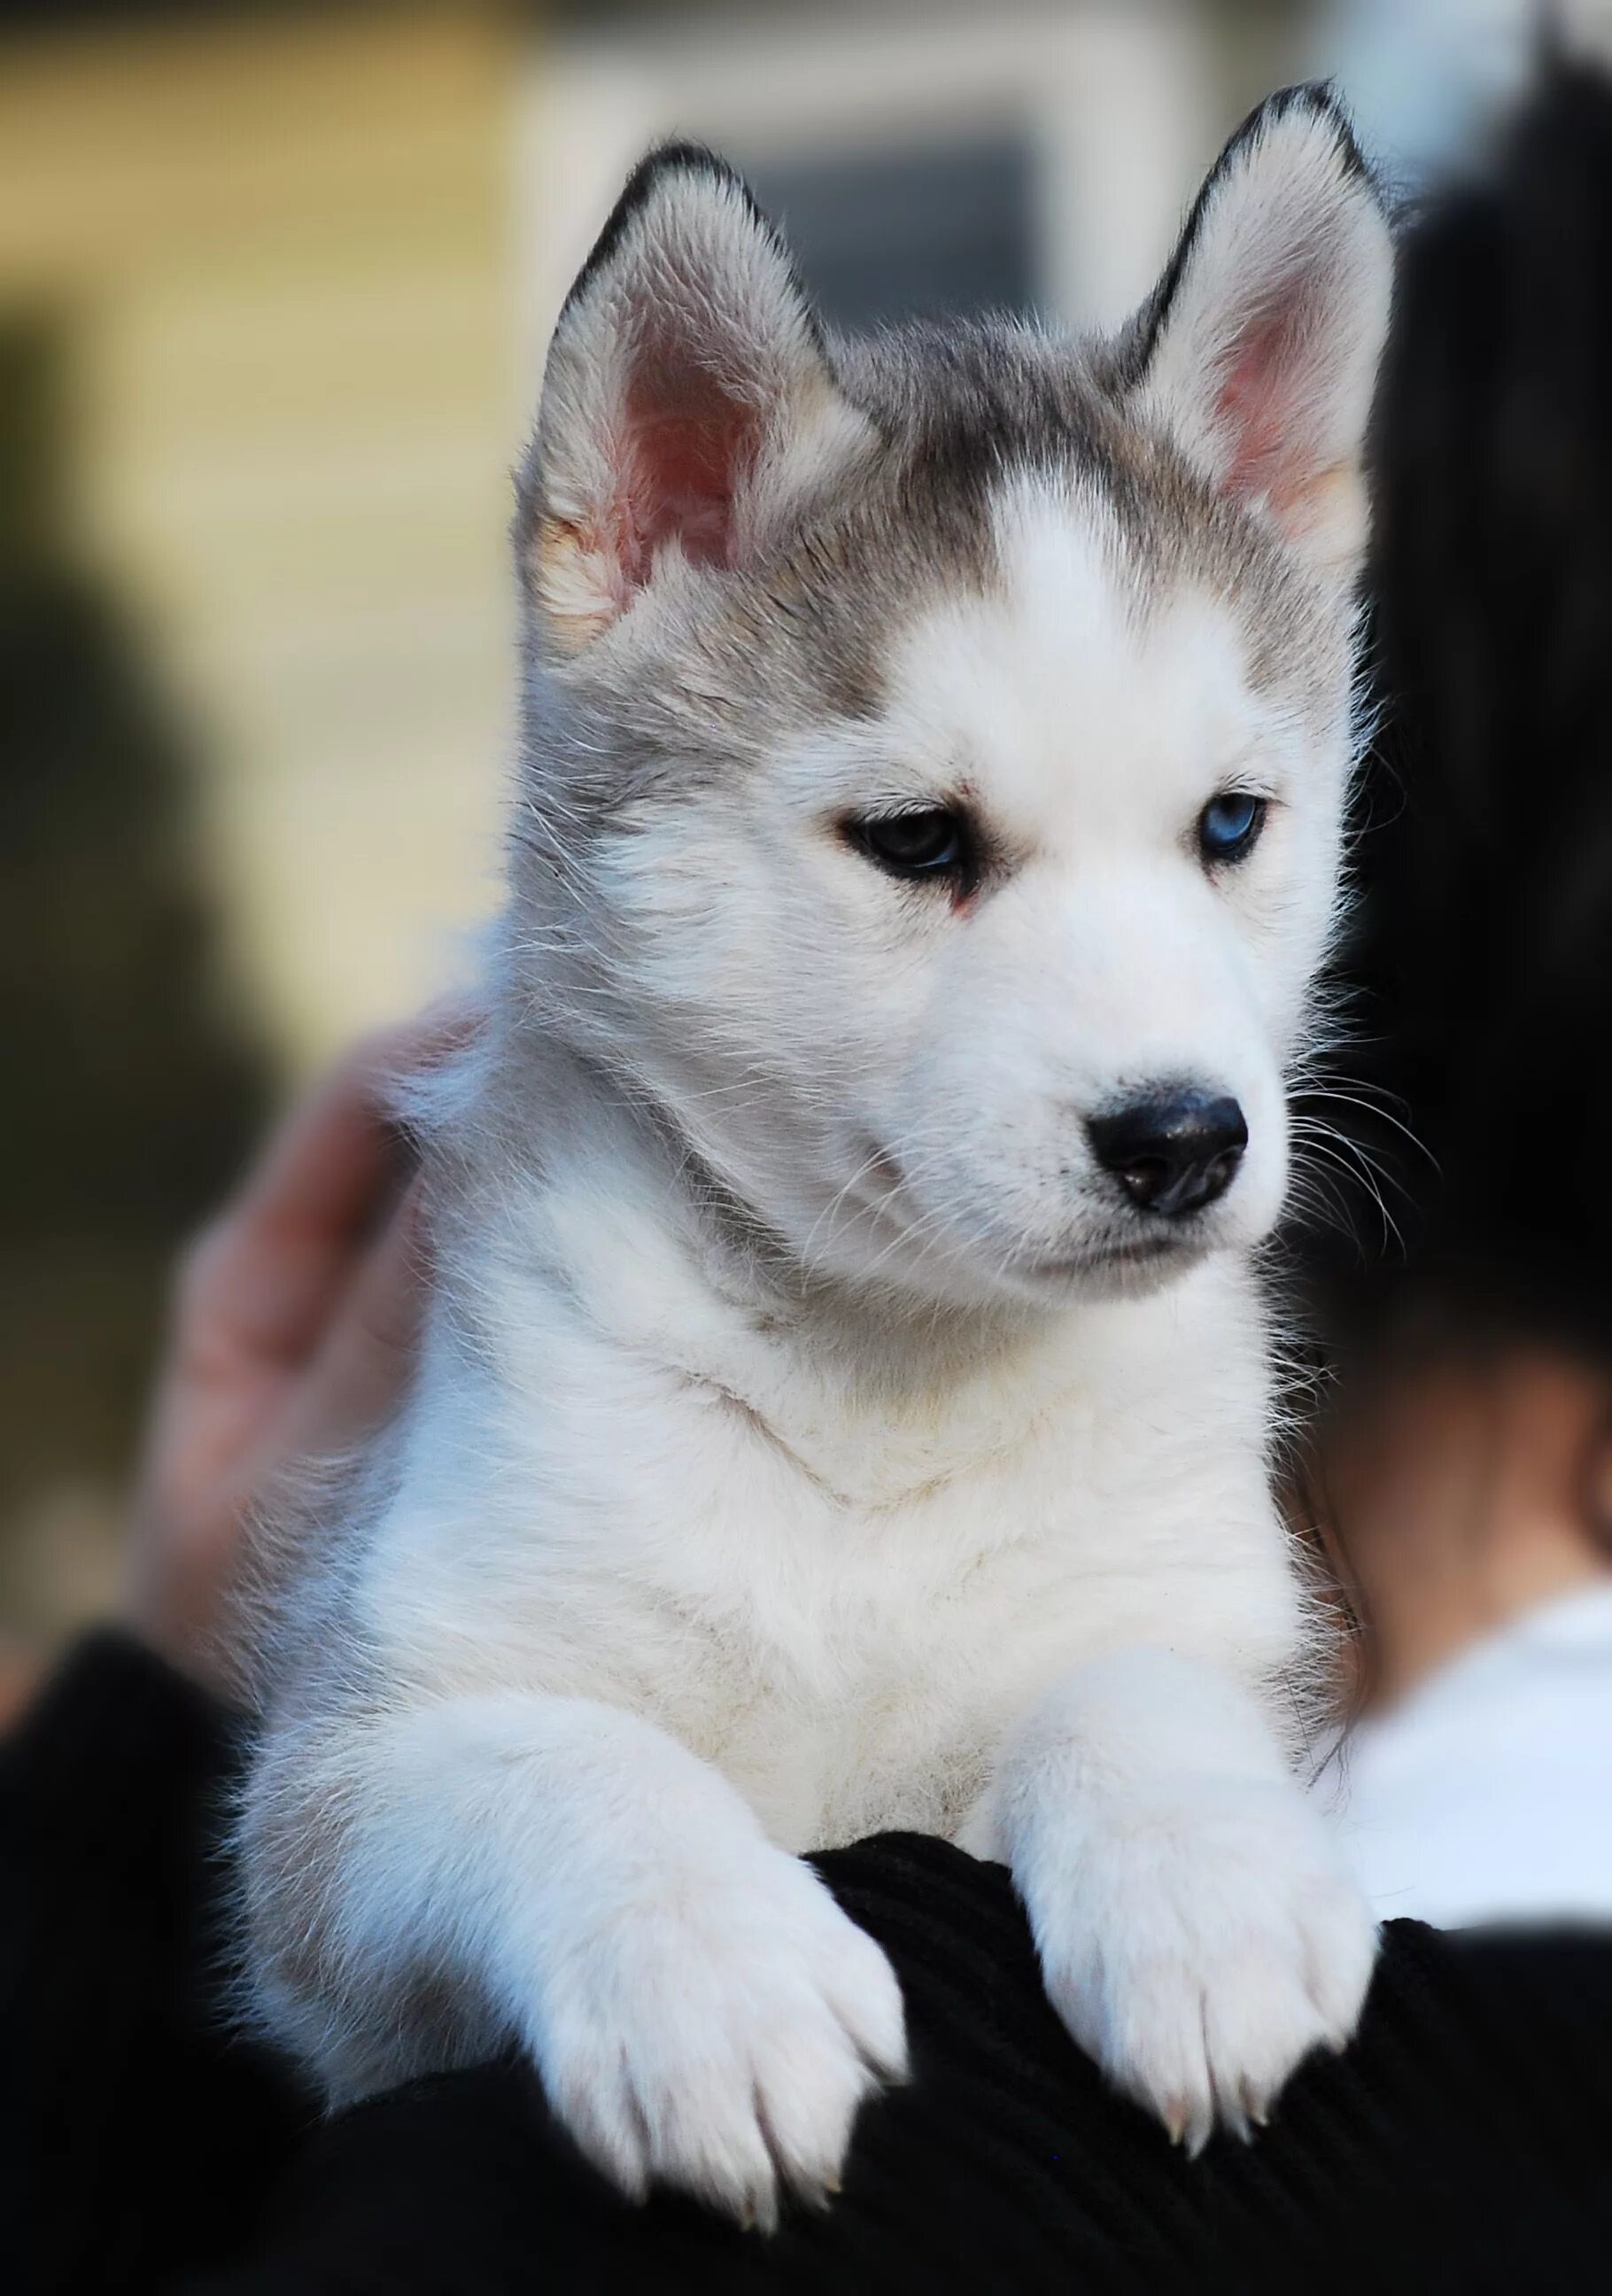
[(295, 1316)]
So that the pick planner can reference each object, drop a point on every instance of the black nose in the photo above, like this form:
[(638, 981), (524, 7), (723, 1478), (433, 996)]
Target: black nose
[(1172, 1152)]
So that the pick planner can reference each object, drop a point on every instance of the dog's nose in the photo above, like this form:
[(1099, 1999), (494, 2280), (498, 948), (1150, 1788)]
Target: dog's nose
[(1171, 1151)]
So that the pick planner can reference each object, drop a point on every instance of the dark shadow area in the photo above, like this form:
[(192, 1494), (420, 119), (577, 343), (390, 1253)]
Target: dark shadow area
[(134, 1085)]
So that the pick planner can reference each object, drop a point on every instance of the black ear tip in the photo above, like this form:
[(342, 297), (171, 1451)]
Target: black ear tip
[(1316, 96), (661, 165), (1309, 99), (679, 156)]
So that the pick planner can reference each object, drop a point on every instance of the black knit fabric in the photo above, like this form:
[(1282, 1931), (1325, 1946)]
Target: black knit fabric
[(139, 2127), (1464, 2145)]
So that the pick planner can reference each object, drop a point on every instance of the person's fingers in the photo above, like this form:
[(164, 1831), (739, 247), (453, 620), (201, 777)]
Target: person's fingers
[(323, 1169), (260, 1283), (323, 1166), (270, 1270), (366, 1354)]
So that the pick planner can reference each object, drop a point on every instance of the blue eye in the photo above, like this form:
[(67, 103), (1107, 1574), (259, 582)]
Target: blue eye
[(1229, 826)]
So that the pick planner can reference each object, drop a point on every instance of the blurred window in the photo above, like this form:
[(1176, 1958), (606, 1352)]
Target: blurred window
[(1035, 156), (883, 235)]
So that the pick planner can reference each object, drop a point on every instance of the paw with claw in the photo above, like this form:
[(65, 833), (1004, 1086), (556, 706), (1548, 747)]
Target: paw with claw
[(1201, 1951), (721, 2039)]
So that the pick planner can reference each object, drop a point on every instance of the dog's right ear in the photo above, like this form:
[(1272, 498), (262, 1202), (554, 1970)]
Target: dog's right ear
[(689, 409), (1259, 350)]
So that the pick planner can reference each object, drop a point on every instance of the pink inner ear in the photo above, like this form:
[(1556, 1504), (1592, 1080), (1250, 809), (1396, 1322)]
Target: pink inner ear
[(689, 445), (1260, 410)]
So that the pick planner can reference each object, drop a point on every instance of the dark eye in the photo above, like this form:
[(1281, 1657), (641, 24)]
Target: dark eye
[(1229, 826), (933, 843)]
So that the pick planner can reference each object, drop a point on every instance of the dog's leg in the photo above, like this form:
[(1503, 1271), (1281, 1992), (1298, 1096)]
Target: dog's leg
[(1196, 1929), (700, 2010)]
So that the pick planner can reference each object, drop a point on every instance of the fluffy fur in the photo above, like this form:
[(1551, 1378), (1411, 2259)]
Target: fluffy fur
[(812, 1436)]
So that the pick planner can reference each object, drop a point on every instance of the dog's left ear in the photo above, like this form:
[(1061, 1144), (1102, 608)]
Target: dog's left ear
[(691, 410), (1258, 350)]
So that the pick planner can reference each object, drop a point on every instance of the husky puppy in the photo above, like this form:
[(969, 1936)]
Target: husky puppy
[(845, 1397)]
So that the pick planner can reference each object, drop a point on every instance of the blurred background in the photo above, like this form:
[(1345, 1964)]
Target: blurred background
[(275, 287)]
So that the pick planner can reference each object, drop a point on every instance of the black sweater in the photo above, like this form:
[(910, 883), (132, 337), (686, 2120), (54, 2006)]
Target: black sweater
[(1464, 2145)]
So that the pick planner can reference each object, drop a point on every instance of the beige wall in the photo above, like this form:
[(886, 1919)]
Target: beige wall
[(282, 252)]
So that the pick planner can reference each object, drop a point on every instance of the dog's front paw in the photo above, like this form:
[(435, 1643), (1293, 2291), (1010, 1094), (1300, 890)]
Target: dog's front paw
[(1201, 1950), (721, 2038)]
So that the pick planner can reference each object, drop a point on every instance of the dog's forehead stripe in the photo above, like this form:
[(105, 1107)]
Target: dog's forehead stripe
[(1075, 696), (1061, 555)]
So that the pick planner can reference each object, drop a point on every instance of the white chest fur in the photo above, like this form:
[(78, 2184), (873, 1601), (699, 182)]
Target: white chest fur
[(838, 1577)]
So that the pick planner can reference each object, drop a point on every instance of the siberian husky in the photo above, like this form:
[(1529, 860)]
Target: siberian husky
[(845, 1397)]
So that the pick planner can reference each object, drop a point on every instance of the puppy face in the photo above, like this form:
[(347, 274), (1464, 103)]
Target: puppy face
[(936, 748)]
